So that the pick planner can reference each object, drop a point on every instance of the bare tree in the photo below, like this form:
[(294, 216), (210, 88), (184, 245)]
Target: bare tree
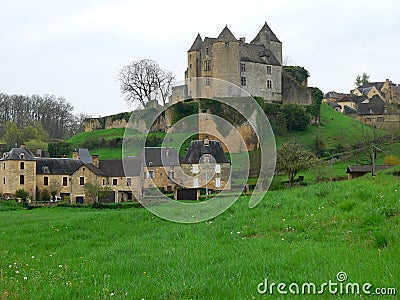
[(143, 81)]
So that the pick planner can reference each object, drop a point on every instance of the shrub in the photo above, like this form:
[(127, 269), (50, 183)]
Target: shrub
[(21, 193), (391, 160)]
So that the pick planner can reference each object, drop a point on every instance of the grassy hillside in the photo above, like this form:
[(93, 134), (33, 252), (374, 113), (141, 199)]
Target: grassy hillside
[(301, 235), (336, 129)]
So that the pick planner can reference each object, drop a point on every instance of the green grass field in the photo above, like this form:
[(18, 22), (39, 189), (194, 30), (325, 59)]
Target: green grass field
[(306, 234)]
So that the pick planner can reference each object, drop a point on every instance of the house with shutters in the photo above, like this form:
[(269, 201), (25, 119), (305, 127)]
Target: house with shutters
[(205, 166)]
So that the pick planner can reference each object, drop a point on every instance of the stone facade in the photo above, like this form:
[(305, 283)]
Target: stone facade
[(21, 170), (256, 67)]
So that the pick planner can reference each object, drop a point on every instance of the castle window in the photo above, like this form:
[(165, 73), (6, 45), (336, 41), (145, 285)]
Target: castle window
[(218, 168), (195, 169), (129, 181), (367, 119), (269, 84), (243, 81), (207, 51), (115, 181), (380, 119), (4, 181), (195, 182), (207, 65), (65, 181), (242, 67), (269, 70), (104, 181), (81, 180), (190, 66), (22, 165), (227, 44), (207, 81), (21, 179), (4, 166), (171, 175), (46, 180)]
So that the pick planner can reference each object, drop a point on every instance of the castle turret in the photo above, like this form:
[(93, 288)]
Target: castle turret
[(268, 38)]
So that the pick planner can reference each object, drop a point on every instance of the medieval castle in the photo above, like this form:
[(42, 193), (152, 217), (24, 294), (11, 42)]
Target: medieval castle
[(256, 66)]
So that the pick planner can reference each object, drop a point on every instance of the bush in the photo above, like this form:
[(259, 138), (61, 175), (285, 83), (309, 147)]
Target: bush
[(22, 194), (295, 116), (45, 195), (391, 160)]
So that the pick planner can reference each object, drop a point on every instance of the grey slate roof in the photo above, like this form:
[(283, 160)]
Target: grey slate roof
[(85, 156), (254, 53), (378, 85), (116, 167), (15, 154), (349, 110), (374, 105), (267, 29), (198, 42), (226, 36), (160, 156), (57, 166), (198, 148), (366, 168)]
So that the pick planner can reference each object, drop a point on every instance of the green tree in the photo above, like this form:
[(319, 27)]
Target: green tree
[(92, 191), (12, 135), (54, 188), (315, 108), (291, 158), (295, 116), (361, 79)]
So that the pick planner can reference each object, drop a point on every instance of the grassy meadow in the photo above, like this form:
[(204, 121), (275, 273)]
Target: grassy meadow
[(306, 234)]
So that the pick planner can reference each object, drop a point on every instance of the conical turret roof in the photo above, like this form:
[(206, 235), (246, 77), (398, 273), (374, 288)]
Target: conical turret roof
[(198, 42), (265, 28), (226, 36)]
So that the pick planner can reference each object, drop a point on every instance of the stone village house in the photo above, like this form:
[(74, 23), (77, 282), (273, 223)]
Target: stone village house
[(126, 178), (20, 169)]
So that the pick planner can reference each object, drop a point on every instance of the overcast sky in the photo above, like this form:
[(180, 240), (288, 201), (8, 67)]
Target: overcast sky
[(75, 49)]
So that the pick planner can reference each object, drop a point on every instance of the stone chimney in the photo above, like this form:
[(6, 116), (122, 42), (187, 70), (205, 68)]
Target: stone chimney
[(39, 152), (75, 154), (23, 146), (95, 159), (243, 40)]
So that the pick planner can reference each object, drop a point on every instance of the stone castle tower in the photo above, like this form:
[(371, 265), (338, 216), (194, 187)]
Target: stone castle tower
[(256, 67)]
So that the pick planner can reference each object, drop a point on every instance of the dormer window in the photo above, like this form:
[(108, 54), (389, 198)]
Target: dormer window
[(46, 170), (150, 163), (207, 51), (21, 156), (226, 44)]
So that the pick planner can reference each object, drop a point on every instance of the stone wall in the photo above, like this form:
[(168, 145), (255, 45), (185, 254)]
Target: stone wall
[(385, 121), (122, 121), (292, 92)]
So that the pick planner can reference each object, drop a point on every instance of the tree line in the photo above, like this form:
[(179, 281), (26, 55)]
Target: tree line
[(54, 114)]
